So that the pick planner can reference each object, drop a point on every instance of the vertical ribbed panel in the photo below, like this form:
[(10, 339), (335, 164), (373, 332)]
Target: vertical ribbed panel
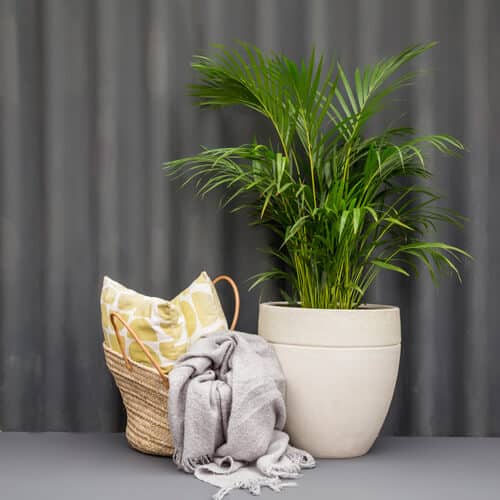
[(93, 100)]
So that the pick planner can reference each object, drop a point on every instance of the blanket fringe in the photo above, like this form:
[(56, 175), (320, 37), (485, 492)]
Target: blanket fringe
[(189, 464), (288, 471), (301, 458), (254, 486), (297, 460)]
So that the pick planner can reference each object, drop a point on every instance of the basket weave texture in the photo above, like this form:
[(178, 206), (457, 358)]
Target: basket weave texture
[(144, 390), (145, 398)]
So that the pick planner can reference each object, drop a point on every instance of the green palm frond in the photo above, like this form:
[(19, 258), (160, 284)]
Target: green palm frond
[(344, 205)]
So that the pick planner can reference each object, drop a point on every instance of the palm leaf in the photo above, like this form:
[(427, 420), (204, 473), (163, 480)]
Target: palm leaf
[(343, 206)]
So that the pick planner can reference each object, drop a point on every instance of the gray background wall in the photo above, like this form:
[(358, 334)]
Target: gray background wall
[(92, 101)]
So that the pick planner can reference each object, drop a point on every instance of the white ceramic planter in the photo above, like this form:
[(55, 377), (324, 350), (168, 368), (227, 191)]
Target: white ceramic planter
[(340, 367)]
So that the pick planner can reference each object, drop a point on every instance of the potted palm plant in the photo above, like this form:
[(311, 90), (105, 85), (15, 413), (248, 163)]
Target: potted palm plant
[(343, 205)]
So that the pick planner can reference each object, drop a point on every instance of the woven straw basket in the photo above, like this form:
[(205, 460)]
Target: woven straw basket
[(144, 390)]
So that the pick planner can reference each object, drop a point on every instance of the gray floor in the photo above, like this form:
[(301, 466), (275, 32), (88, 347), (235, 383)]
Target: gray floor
[(94, 466)]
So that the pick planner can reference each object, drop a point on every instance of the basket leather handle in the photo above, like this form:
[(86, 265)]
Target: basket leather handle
[(236, 314), (115, 316)]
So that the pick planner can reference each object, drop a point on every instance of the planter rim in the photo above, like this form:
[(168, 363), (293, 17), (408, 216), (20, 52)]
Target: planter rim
[(372, 326), (372, 308)]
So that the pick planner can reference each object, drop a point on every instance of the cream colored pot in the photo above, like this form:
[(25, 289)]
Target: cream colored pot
[(340, 367)]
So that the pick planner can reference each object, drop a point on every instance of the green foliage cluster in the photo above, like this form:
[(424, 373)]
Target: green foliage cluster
[(344, 205)]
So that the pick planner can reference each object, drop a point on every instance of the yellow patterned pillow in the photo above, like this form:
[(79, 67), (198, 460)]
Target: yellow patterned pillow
[(166, 328), (201, 308)]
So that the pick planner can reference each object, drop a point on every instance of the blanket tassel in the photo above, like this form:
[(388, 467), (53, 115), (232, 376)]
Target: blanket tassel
[(253, 486)]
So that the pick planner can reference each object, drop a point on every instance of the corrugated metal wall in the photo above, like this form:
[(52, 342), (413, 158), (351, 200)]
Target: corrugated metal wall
[(93, 101)]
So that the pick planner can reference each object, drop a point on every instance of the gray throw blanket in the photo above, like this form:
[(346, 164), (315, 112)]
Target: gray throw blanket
[(227, 413)]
